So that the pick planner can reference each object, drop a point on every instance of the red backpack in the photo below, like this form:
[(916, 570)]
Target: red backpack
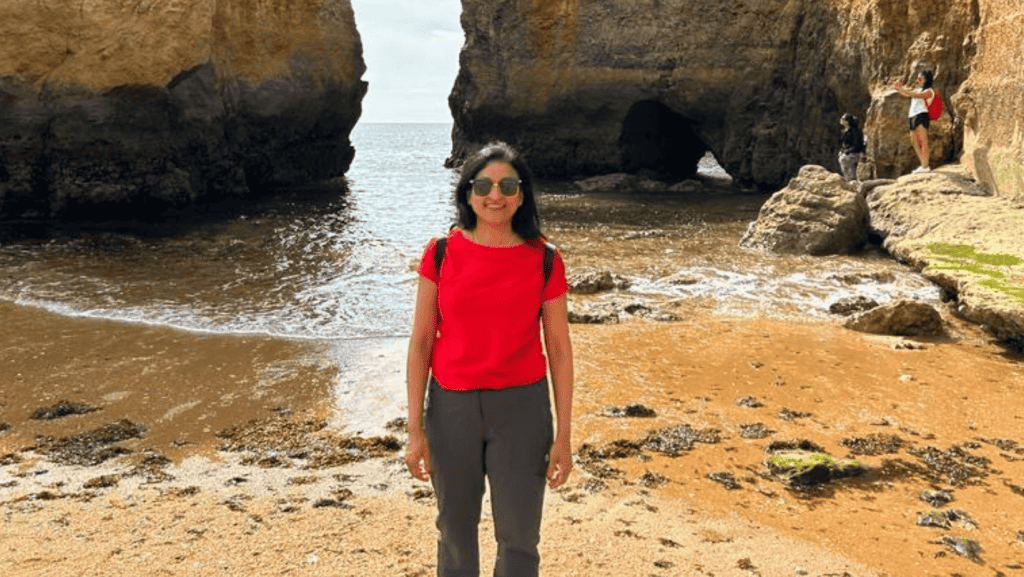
[(935, 107)]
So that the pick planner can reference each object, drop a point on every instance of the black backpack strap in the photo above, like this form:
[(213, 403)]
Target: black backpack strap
[(549, 261), (439, 255), (549, 265)]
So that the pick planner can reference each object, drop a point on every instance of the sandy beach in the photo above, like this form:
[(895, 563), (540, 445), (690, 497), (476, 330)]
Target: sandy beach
[(178, 505)]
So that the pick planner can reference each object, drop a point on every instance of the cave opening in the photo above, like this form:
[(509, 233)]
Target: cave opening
[(658, 141)]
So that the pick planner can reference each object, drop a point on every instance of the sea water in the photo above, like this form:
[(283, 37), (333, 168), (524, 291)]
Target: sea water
[(331, 260)]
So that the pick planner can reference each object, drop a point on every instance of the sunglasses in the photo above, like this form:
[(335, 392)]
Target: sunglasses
[(484, 186)]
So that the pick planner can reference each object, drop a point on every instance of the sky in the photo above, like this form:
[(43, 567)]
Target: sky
[(411, 50)]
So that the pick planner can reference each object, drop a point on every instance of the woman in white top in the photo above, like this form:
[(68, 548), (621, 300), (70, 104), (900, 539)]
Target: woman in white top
[(919, 120)]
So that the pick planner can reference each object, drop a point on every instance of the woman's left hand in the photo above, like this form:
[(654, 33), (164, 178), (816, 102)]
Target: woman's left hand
[(559, 463)]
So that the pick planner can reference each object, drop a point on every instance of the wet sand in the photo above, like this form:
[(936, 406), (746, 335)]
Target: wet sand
[(274, 510)]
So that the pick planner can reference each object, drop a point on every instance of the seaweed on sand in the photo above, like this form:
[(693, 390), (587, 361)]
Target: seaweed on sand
[(963, 546), (62, 409), (955, 465), (92, 447), (672, 441), (275, 441)]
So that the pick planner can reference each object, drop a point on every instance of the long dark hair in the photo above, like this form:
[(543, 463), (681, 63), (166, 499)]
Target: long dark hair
[(526, 220), (928, 76)]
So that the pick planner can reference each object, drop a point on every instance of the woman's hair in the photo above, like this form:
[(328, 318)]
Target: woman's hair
[(928, 76), (526, 220), (851, 120)]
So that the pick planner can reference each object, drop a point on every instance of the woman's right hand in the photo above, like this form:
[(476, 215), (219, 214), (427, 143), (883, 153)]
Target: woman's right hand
[(417, 455)]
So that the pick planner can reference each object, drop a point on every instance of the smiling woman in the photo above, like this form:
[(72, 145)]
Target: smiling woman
[(411, 49)]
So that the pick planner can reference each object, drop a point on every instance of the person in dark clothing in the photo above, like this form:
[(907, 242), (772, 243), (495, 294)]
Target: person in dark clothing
[(851, 146)]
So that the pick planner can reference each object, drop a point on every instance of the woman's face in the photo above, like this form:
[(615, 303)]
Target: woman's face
[(495, 208)]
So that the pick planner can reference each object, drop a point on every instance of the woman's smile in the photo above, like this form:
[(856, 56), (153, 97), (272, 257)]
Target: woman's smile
[(494, 207)]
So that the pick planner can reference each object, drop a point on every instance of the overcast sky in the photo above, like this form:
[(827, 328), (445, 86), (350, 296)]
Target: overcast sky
[(411, 50)]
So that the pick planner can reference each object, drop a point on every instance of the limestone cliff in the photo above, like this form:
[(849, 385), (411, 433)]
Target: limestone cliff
[(146, 104), (586, 87), (991, 101)]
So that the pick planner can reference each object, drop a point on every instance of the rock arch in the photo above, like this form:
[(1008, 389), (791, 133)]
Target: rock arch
[(656, 139)]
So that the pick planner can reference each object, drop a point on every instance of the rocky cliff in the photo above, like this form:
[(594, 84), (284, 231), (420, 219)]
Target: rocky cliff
[(991, 101), (140, 105), (632, 85)]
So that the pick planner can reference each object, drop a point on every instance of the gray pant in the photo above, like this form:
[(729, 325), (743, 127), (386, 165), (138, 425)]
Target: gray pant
[(505, 435), (848, 162)]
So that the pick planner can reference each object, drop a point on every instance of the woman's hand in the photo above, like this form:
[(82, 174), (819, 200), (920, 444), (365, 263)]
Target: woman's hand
[(417, 455), (559, 463)]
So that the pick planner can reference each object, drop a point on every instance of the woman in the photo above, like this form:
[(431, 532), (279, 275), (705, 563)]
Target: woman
[(475, 354), (851, 146), (919, 120)]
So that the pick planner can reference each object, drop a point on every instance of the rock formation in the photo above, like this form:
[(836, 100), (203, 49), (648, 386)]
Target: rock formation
[(902, 318), (123, 108), (993, 93), (817, 213), (586, 88), (967, 243)]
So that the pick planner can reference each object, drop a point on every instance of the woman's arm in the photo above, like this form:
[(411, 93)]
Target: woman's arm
[(555, 317), (421, 346), (925, 95)]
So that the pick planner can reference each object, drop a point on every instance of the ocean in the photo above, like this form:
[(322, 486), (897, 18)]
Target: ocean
[(330, 260)]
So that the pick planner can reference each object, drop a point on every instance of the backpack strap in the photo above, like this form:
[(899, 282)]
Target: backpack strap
[(549, 261), (439, 255)]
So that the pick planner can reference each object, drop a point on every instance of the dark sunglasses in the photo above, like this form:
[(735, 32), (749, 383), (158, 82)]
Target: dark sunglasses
[(508, 186)]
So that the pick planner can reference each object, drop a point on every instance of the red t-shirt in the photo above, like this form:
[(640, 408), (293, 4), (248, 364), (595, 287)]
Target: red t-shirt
[(488, 303)]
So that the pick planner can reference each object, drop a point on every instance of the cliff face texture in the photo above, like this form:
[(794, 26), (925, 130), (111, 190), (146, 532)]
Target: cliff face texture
[(991, 101), (587, 87), (112, 107)]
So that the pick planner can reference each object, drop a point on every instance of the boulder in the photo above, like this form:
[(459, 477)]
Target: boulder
[(818, 213), (852, 305), (901, 318), (591, 281), (116, 111), (803, 469)]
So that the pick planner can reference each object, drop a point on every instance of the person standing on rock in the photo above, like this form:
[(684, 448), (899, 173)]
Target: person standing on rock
[(919, 121), (475, 357), (851, 145)]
